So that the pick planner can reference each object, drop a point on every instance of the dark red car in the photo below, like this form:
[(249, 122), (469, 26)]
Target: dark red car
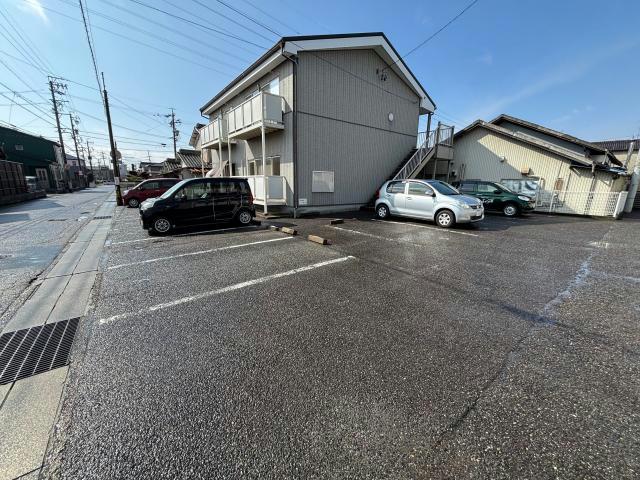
[(151, 188)]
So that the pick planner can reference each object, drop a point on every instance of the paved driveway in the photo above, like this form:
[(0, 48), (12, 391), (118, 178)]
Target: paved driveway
[(400, 351)]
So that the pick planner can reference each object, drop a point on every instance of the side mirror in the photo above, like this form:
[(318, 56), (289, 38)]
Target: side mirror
[(497, 191), (433, 194)]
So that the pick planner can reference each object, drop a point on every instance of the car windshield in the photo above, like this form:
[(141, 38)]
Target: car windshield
[(172, 190), (444, 188)]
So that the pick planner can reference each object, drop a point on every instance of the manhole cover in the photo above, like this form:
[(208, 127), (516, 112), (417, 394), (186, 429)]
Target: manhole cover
[(35, 350)]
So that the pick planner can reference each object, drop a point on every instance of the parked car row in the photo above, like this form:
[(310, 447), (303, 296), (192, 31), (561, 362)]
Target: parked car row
[(445, 204), (166, 204)]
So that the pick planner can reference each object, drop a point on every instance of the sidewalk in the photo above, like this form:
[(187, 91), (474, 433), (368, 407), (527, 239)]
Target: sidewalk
[(35, 347)]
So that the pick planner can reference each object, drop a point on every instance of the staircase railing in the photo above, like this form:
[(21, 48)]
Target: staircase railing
[(442, 135)]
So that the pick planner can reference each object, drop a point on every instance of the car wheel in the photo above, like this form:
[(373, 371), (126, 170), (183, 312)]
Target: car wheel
[(161, 225), (445, 219), (244, 217), (510, 210), (382, 211), (133, 203)]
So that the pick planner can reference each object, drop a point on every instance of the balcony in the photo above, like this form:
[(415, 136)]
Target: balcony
[(214, 133), (247, 119), (276, 187)]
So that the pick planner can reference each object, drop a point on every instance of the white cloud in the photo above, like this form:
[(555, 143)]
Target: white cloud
[(563, 74), (34, 7), (485, 58)]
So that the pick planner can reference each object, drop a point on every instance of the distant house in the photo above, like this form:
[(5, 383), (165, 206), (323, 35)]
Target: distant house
[(171, 168), (564, 173), (76, 172), (191, 163), (40, 157), (317, 123), (151, 168)]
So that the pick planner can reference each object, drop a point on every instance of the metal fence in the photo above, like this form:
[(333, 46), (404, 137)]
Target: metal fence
[(597, 204)]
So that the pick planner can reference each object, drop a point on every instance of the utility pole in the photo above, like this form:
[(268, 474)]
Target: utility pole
[(93, 175), (114, 159), (174, 132), (73, 122), (56, 87)]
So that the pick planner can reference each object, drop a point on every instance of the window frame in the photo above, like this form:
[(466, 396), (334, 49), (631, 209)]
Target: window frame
[(427, 187)]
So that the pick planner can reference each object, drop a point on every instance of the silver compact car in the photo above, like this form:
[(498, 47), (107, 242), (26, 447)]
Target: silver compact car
[(427, 199)]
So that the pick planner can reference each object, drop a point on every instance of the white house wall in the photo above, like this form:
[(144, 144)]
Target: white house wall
[(485, 155)]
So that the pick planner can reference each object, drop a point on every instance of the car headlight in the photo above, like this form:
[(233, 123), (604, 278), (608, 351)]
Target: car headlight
[(464, 205), (522, 197)]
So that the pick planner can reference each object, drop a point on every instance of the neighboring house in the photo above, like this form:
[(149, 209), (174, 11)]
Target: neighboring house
[(317, 123), (171, 168), (628, 152), (564, 173), (191, 164), (151, 168), (76, 172), (39, 157)]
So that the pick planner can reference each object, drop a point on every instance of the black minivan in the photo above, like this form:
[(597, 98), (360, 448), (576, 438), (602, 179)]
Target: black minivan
[(199, 201)]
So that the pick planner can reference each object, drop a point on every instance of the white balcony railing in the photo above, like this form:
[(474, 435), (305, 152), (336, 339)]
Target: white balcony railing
[(277, 189), (214, 132), (249, 116)]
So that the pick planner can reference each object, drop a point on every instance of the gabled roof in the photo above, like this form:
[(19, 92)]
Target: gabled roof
[(618, 145), (291, 45), (534, 141), (194, 133), (189, 158), (554, 133)]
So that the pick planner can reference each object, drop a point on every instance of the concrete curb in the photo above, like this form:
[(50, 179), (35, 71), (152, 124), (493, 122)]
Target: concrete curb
[(336, 221), (319, 240), (274, 228), (289, 231)]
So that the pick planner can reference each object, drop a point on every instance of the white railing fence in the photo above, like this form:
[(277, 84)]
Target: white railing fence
[(277, 187), (597, 204)]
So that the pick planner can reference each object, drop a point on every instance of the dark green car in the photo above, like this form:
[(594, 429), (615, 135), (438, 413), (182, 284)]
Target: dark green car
[(496, 196)]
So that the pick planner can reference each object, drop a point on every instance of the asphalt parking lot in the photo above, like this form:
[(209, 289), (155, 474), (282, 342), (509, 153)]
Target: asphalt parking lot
[(507, 349)]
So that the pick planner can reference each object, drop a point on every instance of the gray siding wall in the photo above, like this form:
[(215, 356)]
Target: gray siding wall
[(343, 125)]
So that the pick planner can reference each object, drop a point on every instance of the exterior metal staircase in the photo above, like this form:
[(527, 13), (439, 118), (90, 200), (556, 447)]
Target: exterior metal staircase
[(428, 143)]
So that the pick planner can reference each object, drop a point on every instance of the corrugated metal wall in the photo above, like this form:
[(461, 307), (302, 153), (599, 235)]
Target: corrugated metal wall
[(344, 127)]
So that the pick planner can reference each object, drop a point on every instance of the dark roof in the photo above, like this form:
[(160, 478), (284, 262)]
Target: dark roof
[(280, 43), (189, 158), (170, 164), (618, 145)]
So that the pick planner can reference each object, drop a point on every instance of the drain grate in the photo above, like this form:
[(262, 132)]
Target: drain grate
[(102, 217), (36, 350), (58, 219)]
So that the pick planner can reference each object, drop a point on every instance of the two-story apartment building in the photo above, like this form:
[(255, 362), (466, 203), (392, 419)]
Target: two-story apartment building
[(317, 123)]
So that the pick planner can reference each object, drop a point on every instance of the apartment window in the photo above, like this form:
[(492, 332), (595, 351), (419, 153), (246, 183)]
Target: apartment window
[(19, 147), (252, 168), (273, 86), (322, 181), (273, 166)]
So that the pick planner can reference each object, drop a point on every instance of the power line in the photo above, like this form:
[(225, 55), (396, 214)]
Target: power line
[(136, 41), (271, 16), (93, 55), (160, 38), (436, 33), (232, 20), (196, 23)]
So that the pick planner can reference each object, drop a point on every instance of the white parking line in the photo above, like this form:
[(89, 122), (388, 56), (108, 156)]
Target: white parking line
[(371, 235), (437, 229), (185, 234), (200, 252), (230, 288)]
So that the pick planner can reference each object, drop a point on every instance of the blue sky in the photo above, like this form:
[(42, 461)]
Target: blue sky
[(569, 65)]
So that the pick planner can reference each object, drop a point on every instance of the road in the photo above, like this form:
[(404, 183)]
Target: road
[(33, 233), (509, 350)]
